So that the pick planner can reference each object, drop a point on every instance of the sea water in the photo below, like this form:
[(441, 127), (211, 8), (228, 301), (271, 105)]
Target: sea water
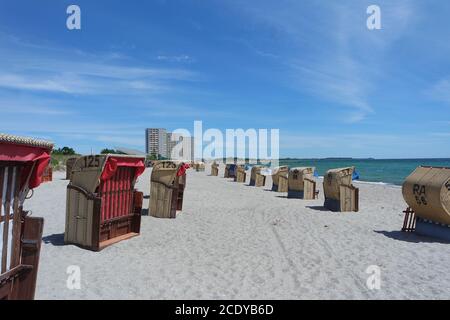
[(390, 171)]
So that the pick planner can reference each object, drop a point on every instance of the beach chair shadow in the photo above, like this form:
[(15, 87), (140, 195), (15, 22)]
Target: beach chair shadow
[(318, 208), (56, 239), (410, 237)]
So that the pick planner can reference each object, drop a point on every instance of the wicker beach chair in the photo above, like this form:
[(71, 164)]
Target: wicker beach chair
[(199, 166), (301, 183), (215, 169), (340, 194), (280, 179), (241, 175), (230, 171), (102, 205), (256, 178), (22, 164), (168, 181), (427, 193)]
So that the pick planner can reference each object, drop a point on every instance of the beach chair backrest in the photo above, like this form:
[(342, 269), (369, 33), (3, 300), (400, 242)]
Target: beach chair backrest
[(427, 191)]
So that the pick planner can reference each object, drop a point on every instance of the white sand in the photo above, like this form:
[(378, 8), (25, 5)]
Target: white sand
[(233, 241)]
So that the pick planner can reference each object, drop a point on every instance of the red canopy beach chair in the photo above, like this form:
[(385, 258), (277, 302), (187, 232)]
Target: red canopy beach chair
[(102, 205), (22, 164)]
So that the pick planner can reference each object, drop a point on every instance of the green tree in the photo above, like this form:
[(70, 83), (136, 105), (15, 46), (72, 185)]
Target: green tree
[(66, 151)]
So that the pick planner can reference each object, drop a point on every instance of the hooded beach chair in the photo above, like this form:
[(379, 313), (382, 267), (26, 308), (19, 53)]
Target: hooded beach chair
[(168, 181), (256, 178), (427, 192), (102, 205), (230, 171), (199, 166), (280, 179), (340, 194), (301, 183), (69, 165), (47, 176), (215, 169), (22, 165), (241, 175)]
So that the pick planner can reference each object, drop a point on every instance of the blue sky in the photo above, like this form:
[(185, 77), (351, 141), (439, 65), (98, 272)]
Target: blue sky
[(310, 68)]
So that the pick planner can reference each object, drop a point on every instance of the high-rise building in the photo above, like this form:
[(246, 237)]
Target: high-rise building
[(156, 142), (185, 148)]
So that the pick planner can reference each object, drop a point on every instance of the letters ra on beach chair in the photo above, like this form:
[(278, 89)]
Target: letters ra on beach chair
[(168, 181), (256, 178), (215, 169), (301, 183), (22, 165), (102, 205), (230, 171), (69, 165), (340, 194), (427, 192), (241, 175), (280, 179)]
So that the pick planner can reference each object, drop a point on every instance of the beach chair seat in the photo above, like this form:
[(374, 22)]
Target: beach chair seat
[(301, 184), (168, 181), (340, 194), (103, 206), (22, 165)]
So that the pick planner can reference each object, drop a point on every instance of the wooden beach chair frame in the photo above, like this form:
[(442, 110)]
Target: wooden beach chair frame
[(241, 175), (256, 178), (19, 253), (168, 181), (340, 194), (214, 169), (301, 184), (103, 207)]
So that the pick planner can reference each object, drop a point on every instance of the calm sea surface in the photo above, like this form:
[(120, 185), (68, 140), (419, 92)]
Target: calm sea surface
[(373, 170)]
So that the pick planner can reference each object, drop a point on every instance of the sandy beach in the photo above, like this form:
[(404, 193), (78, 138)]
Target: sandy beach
[(233, 241)]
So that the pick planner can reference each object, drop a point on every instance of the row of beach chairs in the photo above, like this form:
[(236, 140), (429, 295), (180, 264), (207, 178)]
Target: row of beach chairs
[(299, 182)]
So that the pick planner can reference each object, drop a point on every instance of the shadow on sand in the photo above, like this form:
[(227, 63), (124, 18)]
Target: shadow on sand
[(56, 239), (410, 237), (318, 208)]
